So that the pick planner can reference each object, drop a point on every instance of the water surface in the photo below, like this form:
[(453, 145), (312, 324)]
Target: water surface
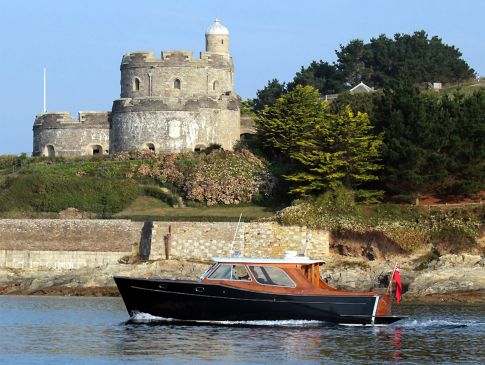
[(77, 330)]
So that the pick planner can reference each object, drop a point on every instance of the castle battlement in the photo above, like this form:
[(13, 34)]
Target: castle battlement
[(175, 58), (85, 119)]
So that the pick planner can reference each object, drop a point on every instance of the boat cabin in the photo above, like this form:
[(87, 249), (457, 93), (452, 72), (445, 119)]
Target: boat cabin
[(284, 275), (296, 275)]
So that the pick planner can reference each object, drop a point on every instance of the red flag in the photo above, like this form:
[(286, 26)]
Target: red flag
[(397, 279)]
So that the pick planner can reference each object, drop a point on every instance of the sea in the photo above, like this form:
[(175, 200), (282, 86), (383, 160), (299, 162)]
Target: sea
[(82, 330)]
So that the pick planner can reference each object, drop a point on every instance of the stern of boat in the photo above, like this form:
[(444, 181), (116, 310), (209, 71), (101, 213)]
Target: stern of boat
[(384, 306)]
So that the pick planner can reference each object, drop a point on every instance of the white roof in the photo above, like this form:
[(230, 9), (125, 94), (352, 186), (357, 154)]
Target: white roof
[(361, 88), (217, 28), (247, 260)]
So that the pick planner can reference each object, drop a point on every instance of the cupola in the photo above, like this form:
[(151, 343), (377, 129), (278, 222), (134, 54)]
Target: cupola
[(217, 38)]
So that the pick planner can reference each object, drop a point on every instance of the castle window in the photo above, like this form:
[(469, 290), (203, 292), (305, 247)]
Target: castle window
[(176, 84), (214, 85), (222, 41), (136, 84)]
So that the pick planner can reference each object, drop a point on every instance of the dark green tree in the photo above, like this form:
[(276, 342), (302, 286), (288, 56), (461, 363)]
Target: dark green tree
[(351, 62), (320, 75), (466, 147), (416, 140), (408, 58), (269, 94)]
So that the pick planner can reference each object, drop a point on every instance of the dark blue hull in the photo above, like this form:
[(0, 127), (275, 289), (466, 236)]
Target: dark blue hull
[(193, 301)]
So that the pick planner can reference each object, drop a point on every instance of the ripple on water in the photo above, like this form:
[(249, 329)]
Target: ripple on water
[(40, 330)]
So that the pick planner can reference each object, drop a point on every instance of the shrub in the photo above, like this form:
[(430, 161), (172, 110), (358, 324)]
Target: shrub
[(163, 194), (50, 193), (410, 227), (7, 161), (339, 199)]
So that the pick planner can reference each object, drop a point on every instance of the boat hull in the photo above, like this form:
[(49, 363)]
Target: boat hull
[(194, 301)]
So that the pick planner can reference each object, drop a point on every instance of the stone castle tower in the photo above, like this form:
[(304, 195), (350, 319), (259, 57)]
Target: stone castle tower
[(174, 103)]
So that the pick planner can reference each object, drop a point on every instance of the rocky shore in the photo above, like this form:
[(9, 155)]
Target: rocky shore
[(445, 279)]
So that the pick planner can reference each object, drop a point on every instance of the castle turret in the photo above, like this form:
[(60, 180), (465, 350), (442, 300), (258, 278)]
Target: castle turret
[(217, 38)]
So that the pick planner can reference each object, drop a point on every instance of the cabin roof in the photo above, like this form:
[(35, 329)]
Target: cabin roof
[(252, 260)]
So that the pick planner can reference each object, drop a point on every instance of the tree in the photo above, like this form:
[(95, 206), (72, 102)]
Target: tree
[(406, 58), (269, 94), (321, 75), (324, 149), (361, 102), (280, 127), (351, 62), (466, 148), (416, 140)]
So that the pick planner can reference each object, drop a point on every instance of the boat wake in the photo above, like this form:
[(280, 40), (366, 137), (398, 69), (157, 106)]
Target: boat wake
[(440, 324), (146, 318)]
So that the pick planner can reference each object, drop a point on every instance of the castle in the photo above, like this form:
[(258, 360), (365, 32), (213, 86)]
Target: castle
[(170, 104)]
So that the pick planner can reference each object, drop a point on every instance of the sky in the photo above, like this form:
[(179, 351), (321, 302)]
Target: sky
[(81, 44)]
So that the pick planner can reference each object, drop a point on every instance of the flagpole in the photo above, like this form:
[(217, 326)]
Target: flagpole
[(45, 91), (391, 277)]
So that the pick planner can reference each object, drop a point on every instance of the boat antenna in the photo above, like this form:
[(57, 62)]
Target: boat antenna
[(235, 253), (308, 239)]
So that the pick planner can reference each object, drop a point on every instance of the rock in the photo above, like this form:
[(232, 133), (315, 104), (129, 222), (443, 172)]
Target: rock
[(38, 281), (450, 275), (462, 260), (448, 281)]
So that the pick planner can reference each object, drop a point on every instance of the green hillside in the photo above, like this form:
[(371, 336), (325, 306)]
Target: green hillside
[(217, 185)]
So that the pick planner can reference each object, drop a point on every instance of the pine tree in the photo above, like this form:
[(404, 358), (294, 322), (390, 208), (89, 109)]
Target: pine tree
[(323, 149)]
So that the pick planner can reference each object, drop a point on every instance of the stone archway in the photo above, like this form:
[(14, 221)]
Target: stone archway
[(49, 151), (95, 149), (149, 146)]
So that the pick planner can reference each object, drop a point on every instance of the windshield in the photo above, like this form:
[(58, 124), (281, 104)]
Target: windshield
[(230, 272), (270, 275)]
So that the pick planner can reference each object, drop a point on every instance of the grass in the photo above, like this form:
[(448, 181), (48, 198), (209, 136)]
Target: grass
[(146, 207), (467, 88)]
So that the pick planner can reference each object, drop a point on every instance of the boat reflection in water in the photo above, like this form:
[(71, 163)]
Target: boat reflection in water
[(254, 289)]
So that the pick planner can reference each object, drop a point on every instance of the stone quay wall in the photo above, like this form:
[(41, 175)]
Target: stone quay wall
[(65, 244), (58, 260), (95, 235), (202, 240), (76, 243)]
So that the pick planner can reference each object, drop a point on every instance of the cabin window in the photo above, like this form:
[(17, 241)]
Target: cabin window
[(271, 275), (176, 84), (230, 272)]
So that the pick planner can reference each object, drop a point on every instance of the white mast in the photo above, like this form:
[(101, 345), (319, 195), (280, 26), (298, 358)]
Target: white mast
[(45, 93)]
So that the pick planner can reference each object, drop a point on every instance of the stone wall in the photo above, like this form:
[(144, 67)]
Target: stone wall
[(174, 131), (76, 243), (156, 76), (69, 235), (199, 240), (71, 137), (58, 260)]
